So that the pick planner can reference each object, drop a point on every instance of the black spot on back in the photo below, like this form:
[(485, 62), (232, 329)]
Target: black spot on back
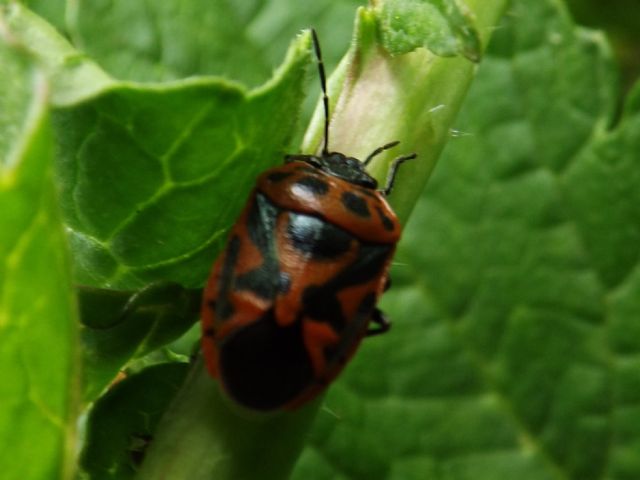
[(355, 204), (320, 302), (264, 366), (352, 332), (369, 263), (387, 223), (224, 308), (317, 238), (367, 192), (261, 220), (367, 303), (277, 176), (307, 168), (259, 281), (314, 185)]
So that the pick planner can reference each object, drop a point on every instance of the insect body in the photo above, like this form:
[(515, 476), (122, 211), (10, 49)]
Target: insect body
[(296, 287)]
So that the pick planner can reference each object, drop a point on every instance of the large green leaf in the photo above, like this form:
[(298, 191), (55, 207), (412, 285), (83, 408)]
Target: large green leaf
[(171, 39), (516, 293), (118, 326), (152, 176), (38, 338), (53, 10), (72, 75)]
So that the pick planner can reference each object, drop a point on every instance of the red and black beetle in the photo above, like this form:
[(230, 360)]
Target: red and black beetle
[(296, 286)]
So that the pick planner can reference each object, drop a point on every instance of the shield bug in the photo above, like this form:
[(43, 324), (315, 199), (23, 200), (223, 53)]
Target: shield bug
[(295, 289)]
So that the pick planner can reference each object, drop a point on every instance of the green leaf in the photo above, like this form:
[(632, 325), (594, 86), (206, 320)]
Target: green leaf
[(516, 291), (38, 337), (446, 27), (271, 24), (122, 422), (239, 40), (118, 326), (154, 41), (52, 10), (72, 75), (152, 176)]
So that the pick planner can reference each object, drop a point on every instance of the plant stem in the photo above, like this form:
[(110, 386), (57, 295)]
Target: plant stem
[(203, 436)]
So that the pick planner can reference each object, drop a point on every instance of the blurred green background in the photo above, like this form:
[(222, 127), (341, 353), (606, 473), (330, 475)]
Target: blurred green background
[(621, 21)]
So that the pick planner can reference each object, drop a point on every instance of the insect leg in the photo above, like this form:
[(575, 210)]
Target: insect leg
[(382, 323), (391, 177)]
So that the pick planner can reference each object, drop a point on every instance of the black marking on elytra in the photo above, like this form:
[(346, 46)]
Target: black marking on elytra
[(260, 281), (352, 331), (321, 303), (387, 223), (209, 332), (368, 264), (307, 169), (224, 307), (367, 192), (318, 239), (355, 204), (314, 185), (212, 304), (265, 365), (367, 303), (278, 176), (261, 221)]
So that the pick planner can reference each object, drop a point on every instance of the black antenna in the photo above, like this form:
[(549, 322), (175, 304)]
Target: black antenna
[(325, 99), (378, 151)]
